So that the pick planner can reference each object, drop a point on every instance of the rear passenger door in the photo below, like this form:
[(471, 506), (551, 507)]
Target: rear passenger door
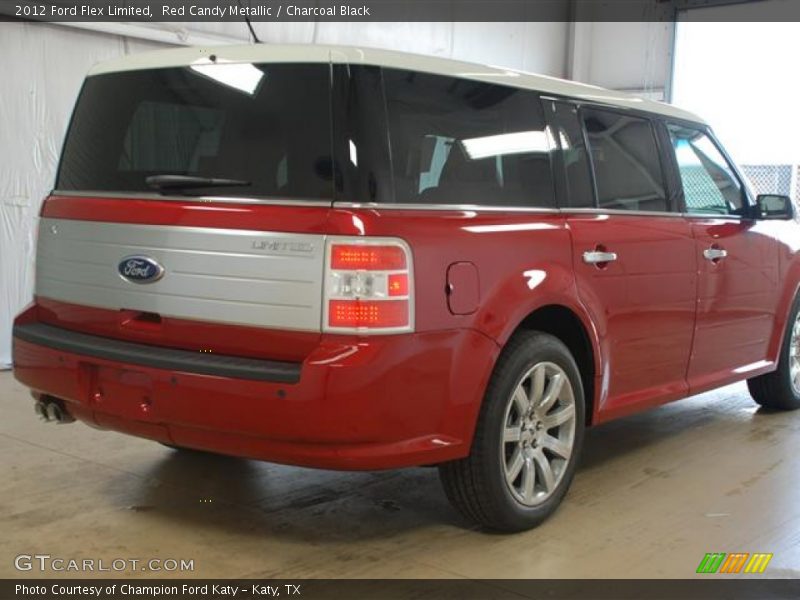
[(633, 253), (738, 264)]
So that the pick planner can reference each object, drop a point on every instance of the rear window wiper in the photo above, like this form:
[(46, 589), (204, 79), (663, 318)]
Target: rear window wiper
[(168, 183)]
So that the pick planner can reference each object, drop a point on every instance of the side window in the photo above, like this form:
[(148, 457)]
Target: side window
[(709, 184), (574, 160), (456, 141), (627, 166), (434, 154)]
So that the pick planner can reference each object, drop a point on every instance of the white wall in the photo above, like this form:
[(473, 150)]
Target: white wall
[(632, 56), (44, 66), (623, 56), (538, 47)]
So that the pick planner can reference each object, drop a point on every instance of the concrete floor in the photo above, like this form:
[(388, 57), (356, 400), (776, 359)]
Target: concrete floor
[(655, 492)]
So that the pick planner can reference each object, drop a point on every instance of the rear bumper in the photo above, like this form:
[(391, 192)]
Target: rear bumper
[(143, 355), (367, 403)]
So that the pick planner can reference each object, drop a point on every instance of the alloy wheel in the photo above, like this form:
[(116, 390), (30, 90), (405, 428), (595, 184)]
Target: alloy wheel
[(539, 432)]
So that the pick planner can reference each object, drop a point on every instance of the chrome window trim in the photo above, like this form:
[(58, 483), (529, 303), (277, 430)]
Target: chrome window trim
[(689, 215), (444, 207), (621, 212), (390, 206), (649, 213), (522, 209), (199, 199)]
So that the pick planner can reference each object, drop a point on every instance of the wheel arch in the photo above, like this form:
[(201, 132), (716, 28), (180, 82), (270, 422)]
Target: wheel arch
[(577, 334), (788, 298)]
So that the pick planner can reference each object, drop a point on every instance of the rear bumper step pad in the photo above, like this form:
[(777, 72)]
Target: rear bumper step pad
[(158, 357)]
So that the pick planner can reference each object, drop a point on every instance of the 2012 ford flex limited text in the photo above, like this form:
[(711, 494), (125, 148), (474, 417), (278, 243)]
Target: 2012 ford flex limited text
[(357, 259)]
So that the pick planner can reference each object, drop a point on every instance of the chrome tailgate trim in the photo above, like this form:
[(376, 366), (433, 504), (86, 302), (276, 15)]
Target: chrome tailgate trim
[(255, 278)]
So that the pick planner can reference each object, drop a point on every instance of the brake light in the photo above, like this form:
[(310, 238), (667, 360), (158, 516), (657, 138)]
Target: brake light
[(370, 258), (368, 313), (368, 286)]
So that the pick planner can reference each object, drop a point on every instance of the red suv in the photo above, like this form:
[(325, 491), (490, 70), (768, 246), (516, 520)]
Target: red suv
[(356, 259)]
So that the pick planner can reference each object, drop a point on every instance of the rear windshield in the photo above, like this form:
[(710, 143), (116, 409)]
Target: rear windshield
[(266, 127)]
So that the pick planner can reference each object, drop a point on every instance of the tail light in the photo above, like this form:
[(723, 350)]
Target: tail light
[(368, 286)]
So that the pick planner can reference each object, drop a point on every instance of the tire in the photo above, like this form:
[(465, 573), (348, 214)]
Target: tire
[(780, 390), (477, 485)]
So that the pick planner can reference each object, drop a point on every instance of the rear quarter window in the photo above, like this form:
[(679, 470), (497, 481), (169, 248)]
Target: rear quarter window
[(447, 140)]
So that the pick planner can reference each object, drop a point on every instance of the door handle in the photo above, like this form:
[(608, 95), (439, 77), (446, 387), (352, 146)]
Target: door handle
[(595, 257), (714, 254)]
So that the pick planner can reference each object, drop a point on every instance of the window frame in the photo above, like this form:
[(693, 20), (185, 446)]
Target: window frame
[(557, 155), (672, 183), (748, 200), (671, 206), (672, 187)]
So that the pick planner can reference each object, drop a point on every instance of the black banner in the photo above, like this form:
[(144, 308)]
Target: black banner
[(144, 11), (391, 589)]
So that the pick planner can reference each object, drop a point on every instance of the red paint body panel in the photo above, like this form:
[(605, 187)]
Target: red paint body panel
[(361, 404), (219, 215), (234, 340), (786, 233), (737, 300), (655, 320), (643, 304)]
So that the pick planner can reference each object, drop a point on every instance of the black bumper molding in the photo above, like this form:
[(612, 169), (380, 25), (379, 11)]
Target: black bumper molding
[(158, 357)]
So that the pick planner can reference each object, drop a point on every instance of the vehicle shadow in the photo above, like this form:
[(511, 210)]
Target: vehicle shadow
[(253, 498), (263, 499), (731, 405)]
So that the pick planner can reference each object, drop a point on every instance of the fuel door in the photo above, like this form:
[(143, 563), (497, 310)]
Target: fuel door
[(463, 289)]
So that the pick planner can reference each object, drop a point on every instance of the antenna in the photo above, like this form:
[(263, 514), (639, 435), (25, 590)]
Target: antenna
[(247, 20)]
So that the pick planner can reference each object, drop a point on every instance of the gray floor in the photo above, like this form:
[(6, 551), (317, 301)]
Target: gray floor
[(655, 492)]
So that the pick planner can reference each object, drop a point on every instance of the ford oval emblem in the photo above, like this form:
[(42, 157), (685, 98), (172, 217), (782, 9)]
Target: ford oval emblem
[(140, 269)]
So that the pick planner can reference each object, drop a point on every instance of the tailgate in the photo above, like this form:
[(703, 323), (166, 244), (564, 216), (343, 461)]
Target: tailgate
[(257, 278), (231, 290), (190, 208)]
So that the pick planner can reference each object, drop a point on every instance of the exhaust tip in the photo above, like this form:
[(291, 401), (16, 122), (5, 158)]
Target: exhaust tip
[(51, 409), (41, 410), (54, 412)]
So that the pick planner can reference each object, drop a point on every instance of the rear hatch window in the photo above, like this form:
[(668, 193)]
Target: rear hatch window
[(231, 129)]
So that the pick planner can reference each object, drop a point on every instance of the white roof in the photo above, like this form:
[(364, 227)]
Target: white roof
[(256, 53)]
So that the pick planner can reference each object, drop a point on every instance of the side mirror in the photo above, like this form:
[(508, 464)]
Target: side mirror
[(773, 206)]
